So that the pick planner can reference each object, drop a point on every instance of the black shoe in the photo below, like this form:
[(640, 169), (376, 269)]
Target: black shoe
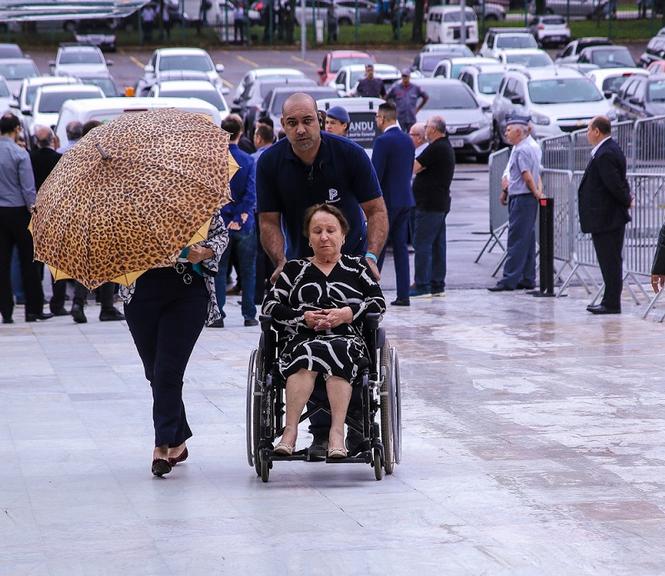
[(217, 324), (354, 442), (604, 310), (161, 467), (401, 302), (500, 288), (319, 446), (78, 314), (7, 320), (111, 315), (438, 290), (35, 317), (592, 307), (525, 286), (59, 311), (251, 322)]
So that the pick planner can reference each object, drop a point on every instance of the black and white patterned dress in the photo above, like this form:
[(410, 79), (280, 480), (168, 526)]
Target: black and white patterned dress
[(303, 287)]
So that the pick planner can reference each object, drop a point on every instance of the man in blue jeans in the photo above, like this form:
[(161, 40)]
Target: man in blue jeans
[(434, 169), (238, 216)]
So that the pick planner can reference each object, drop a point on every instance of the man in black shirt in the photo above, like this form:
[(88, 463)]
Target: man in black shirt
[(434, 169), (370, 86)]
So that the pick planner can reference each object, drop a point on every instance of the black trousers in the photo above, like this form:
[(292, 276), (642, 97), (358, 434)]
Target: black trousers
[(14, 232), (609, 246), (165, 318), (106, 293)]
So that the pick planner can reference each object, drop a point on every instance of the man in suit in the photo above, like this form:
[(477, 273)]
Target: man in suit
[(604, 200), (393, 157), (43, 157)]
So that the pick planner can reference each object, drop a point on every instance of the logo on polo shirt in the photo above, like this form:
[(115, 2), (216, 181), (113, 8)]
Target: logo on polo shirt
[(333, 195)]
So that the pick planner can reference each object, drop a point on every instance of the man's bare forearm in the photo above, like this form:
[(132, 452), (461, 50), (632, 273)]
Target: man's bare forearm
[(377, 225), (272, 238)]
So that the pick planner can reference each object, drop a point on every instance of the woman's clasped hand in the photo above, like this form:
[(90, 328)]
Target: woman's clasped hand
[(321, 320)]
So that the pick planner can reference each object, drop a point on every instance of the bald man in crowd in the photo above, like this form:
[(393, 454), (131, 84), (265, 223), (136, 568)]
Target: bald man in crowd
[(43, 156)]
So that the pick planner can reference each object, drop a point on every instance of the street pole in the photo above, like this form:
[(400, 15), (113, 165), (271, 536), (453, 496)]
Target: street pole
[(462, 31), (355, 35), (303, 31)]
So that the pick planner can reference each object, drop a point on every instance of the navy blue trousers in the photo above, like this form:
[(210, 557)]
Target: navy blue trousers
[(165, 318), (520, 264), (398, 236), (429, 242), (242, 247)]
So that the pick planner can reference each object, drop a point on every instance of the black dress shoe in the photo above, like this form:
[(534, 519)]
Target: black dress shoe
[(318, 447), (605, 310), (401, 302), (525, 286), (500, 288), (7, 320), (161, 467), (35, 317), (217, 324), (78, 314), (111, 315), (592, 307), (59, 311), (251, 322)]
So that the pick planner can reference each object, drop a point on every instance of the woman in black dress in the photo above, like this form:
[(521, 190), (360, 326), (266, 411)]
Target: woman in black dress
[(319, 304)]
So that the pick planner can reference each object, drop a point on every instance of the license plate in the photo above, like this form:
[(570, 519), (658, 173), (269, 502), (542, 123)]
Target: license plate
[(457, 143)]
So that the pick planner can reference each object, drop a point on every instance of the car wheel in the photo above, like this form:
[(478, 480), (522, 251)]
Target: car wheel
[(345, 22), (490, 17)]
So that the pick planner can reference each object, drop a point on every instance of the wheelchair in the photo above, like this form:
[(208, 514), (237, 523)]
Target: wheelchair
[(379, 420)]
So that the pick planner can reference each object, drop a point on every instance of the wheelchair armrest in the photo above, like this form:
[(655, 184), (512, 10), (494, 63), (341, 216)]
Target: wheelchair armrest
[(372, 320), (266, 322)]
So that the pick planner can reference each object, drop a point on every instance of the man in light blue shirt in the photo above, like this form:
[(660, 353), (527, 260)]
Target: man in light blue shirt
[(17, 197)]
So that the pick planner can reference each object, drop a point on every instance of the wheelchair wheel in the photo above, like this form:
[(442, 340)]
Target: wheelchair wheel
[(255, 376), (250, 407), (378, 469), (265, 468), (390, 427)]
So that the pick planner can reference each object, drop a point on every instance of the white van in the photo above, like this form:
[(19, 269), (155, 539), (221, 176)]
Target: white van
[(106, 109), (444, 24)]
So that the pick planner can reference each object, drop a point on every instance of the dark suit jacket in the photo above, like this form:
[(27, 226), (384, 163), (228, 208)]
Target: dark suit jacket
[(393, 156), (658, 266), (604, 194), (43, 161)]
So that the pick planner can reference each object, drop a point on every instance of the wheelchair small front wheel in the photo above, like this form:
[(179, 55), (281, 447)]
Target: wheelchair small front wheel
[(265, 467), (378, 464)]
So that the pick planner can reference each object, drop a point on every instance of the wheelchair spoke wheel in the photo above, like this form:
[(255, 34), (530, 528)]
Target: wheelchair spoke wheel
[(388, 407), (249, 415), (397, 421)]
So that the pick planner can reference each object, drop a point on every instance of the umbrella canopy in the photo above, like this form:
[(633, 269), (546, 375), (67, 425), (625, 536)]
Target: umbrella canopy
[(130, 195)]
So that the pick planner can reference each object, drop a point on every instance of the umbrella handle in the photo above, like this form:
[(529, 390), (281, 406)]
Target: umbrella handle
[(102, 152)]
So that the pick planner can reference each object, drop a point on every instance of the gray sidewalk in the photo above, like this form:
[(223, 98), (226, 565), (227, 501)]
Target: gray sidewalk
[(533, 431)]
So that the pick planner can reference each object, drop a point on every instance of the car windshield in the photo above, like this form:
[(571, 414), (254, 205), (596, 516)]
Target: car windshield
[(337, 63), (81, 57), (106, 84), (449, 98), (657, 91), (457, 16), (51, 103), (488, 83), (529, 60), (520, 41), (613, 83), (429, 61), (266, 87), (280, 98), (210, 96), (563, 91), (554, 20), (453, 51), (17, 71), (199, 63), (613, 58)]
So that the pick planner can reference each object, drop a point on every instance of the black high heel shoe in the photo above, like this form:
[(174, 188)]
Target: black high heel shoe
[(160, 466)]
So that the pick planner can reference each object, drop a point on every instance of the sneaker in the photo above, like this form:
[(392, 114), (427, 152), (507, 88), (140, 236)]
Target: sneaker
[(251, 322), (401, 302), (438, 290), (419, 293), (111, 315)]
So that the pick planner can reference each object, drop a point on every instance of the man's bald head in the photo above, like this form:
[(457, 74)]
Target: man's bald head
[(300, 121), (299, 99), (44, 137)]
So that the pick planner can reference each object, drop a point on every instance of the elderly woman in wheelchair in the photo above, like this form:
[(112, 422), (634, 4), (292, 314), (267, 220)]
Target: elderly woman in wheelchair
[(319, 304)]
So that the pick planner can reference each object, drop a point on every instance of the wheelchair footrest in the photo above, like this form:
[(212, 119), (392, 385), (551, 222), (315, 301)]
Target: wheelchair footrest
[(361, 458)]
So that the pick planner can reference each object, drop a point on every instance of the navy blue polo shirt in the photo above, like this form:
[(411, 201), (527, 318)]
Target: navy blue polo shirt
[(342, 175)]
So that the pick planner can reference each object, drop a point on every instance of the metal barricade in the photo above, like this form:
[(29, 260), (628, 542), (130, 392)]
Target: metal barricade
[(622, 132), (648, 150), (581, 150), (557, 152), (557, 185), (498, 162)]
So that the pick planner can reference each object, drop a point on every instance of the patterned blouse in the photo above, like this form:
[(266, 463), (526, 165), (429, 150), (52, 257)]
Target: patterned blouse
[(218, 240)]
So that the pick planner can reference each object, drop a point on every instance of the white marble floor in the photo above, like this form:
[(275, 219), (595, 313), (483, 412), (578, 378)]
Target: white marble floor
[(534, 445)]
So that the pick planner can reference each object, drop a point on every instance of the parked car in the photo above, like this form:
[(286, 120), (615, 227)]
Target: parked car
[(654, 51), (333, 61), (483, 80), (244, 87), (610, 80), (550, 30), (468, 127), (103, 81), (606, 56), (73, 59), (201, 89), (448, 50), (641, 97), (7, 99), (314, 9), (493, 11), (346, 12), (10, 51), (362, 113), (15, 70), (100, 33), (272, 103), (505, 38), (106, 109), (657, 67), (165, 60), (347, 78), (530, 58), (451, 67), (571, 52), (444, 24), (29, 86), (49, 99), (557, 99), (143, 86), (585, 8)]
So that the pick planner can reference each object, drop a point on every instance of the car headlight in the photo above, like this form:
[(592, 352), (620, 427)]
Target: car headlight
[(540, 119)]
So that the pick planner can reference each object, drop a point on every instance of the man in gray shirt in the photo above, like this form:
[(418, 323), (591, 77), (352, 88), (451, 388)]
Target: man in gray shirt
[(521, 195), (17, 196)]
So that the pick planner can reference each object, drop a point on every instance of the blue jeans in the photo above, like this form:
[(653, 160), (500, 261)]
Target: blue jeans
[(429, 242), (520, 263), (242, 243)]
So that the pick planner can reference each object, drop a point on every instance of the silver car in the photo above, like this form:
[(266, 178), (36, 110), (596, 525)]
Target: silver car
[(469, 128)]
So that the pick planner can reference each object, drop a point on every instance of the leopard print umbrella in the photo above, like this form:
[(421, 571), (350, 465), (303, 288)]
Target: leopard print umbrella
[(130, 195)]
